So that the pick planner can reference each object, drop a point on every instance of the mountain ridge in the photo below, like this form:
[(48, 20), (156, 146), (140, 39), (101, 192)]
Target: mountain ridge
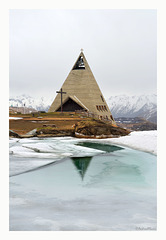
[(40, 104), (134, 106), (144, 106)]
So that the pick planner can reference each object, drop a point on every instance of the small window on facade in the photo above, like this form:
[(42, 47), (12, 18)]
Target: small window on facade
[(111, 117), (102, 98), (106, 108)]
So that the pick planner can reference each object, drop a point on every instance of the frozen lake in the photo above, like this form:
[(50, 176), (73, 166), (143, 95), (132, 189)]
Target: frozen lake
[(72, 184)]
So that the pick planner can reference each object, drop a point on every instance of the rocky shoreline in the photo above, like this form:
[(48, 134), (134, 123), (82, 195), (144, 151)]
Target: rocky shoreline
[(95, 129)]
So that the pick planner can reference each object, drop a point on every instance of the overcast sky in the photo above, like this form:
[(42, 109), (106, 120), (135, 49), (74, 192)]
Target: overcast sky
[(119, 45)]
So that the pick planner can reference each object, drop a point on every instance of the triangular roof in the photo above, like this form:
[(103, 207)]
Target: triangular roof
[(81, 86), (76, 100)]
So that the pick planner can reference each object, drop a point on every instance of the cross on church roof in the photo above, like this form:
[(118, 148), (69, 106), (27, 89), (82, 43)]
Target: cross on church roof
[(61, 92)]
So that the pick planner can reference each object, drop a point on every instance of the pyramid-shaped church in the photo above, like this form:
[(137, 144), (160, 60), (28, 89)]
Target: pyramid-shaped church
[(81, 92)]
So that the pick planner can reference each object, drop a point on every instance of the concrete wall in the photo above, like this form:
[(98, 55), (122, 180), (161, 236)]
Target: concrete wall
[(82, 84)]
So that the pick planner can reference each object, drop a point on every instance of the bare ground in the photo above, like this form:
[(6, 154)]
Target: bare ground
[(23, 126)]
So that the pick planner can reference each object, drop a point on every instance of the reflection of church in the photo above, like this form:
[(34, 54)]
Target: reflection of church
[(81, 163)]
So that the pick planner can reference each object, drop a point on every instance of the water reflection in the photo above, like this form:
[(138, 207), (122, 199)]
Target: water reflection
[(81, 164), (100, 146)]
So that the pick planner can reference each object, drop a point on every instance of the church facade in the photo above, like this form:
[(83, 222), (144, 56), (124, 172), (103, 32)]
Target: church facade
[(81, 92)]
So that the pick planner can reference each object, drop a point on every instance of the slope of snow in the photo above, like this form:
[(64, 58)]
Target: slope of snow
[(143, 140)]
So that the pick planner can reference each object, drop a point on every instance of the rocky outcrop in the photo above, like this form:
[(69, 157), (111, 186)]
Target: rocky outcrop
[(13, 134), (16, 135), (98, 129), (32, 132)]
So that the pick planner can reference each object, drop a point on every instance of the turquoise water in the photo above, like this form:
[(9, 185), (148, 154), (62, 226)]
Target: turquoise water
[(114, 190)]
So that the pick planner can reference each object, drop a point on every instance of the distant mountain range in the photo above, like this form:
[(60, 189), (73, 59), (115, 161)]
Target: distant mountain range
[(144, 106), (40, 104)]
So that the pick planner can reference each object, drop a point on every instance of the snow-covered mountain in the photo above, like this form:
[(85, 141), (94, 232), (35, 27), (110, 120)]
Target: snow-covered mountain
[(40, 104), (121, 106), (134, 106)]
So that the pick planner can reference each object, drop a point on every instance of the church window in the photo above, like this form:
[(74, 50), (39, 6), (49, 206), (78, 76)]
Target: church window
[(79, 64), (102, 98), (111, 117)]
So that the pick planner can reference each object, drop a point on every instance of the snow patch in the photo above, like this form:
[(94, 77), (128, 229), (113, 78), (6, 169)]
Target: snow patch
[(15, 118), (141, 140)]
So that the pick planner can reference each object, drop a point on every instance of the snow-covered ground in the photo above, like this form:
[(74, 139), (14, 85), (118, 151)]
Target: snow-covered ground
[(143, 140), (15, 118)]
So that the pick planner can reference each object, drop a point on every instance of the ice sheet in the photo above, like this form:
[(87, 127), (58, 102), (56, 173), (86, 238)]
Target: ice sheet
[(118, 192), (28, 154), (55, 149)]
